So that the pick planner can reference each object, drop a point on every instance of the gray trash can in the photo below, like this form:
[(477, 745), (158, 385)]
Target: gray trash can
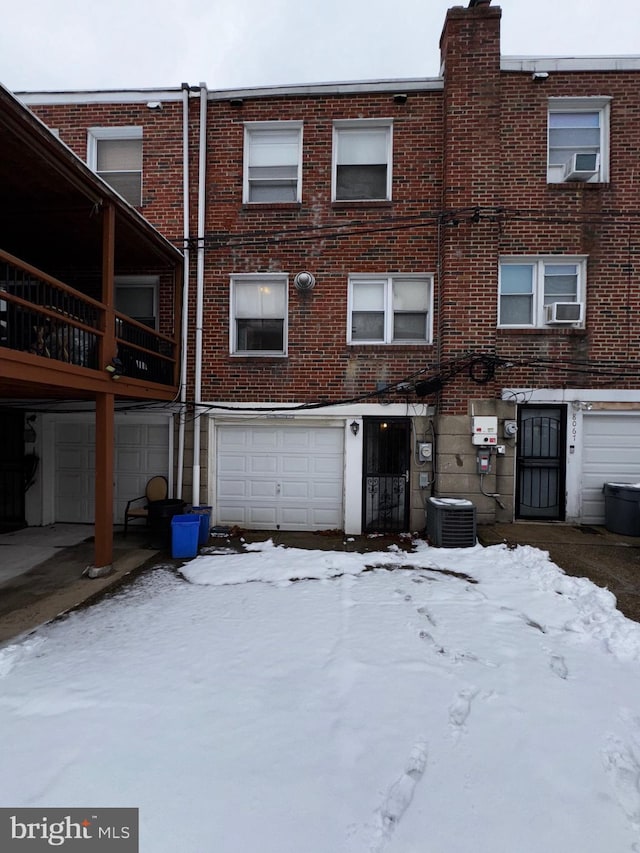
[(622, 508)]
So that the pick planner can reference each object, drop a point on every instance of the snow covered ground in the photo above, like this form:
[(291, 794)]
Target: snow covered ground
[(287, 701)]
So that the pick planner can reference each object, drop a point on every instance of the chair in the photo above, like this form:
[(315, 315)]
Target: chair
[(156, 490)]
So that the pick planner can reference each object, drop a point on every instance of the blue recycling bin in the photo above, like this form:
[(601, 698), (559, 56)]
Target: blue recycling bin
[(205, 522), (184, 535)]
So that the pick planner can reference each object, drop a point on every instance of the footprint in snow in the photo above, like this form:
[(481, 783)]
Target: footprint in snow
[(559, 666), (460, 708), (423, 611), (623, 768), (400, 794)]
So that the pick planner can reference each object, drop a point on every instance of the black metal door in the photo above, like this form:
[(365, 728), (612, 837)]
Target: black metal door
[(386, 474), (12, 471), (540, 466)]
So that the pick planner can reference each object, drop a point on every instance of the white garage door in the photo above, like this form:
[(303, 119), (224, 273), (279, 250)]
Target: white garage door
[(611, 454), (141, 451), (275, 477)]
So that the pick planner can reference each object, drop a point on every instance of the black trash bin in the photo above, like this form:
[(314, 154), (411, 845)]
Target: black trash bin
[(160, 515), (622, 508)]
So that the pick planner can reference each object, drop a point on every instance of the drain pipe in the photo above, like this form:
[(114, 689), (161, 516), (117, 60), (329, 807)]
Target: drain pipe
[(185, 286), (202, 166)]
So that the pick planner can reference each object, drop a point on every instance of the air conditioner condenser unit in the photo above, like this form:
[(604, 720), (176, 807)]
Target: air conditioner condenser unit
[(451, 523)]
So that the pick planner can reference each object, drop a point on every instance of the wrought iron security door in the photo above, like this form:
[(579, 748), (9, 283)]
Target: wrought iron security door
[(540, 463), (386, 474)]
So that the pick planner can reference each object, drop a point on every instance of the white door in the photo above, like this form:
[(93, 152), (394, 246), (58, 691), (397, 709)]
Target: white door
[(141, 451), (277, 477), (611, 454)]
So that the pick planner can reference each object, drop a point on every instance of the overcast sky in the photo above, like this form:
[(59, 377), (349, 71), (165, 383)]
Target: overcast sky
[(78, 44)]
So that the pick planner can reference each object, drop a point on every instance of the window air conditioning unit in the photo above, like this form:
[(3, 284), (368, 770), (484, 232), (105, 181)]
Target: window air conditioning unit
[(581, 167), (451, 523), (564, 312)]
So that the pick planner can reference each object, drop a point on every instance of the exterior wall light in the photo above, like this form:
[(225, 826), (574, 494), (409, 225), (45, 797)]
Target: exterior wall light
[(354, 426), (114, 369)]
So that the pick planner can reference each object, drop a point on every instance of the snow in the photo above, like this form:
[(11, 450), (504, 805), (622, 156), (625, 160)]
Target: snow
[(284, 700)]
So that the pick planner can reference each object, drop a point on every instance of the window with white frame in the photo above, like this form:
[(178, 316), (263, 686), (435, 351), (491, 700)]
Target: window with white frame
[(362, 157), (259, 314), (392, 309), (543, 291), (578, 140), (137, 297), (115, 153), (272, 162)]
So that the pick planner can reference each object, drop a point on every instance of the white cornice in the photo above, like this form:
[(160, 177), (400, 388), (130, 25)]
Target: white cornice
[(530, 64)]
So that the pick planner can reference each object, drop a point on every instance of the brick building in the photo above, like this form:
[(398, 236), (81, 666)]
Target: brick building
[(376, 270)]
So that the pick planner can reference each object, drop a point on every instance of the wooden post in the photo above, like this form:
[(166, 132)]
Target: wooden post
[(105, 405), (104, 486), (108, 286)]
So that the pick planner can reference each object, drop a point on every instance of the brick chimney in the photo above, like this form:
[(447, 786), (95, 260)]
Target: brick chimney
[(470, 55), (471, 142)]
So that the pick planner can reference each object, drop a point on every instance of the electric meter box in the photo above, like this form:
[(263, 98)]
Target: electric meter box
[(484, 431)]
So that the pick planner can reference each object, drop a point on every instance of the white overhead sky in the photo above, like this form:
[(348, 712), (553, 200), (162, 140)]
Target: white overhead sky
[(75, 44)]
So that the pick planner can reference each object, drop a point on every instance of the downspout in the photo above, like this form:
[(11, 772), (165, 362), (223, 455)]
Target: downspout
[(185, 286), (202, 166)]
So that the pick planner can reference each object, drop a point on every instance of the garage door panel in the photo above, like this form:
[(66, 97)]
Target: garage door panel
[(325, 491), (297, 441), (129, 459), (263, 489), (80, 434), (232, 463), (228, 488), (290, 474), (263, 439), (264, 517), (300, 490), (611, 453), (233, 439), (262, 464), (326, 519), (296, 465), (295, 516), (326, 466)]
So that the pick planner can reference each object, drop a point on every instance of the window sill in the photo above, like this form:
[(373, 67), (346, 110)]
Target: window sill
[(542, 330), (273, 205), (265, 356), (365, 346), (343, 205), (580, 186)]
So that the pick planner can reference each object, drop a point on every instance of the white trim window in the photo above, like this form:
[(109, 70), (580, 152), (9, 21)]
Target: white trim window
[(578, 140), (540, 292), (258, 321), (272, 162), (390, 309), (137, 297), (115, 153), (362, 158)]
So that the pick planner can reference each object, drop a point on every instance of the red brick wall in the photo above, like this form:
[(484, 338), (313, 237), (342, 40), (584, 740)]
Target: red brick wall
[(338, 239), (161, 151)]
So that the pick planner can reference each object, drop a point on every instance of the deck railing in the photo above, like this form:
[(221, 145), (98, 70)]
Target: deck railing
[(143, 353), (45, 317)]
